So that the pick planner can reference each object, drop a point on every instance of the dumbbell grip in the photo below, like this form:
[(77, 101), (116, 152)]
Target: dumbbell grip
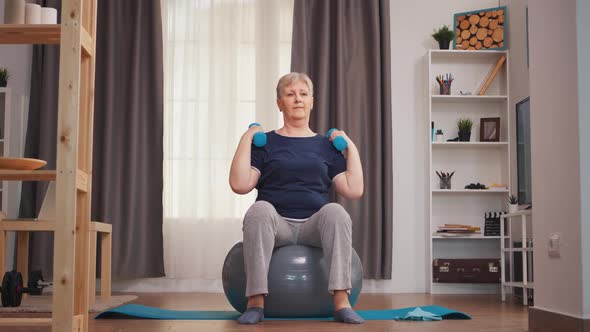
[(259, 138), (339, 142)]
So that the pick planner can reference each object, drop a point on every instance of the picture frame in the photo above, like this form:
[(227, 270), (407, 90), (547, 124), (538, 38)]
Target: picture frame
[(483, 29), (489, 130)]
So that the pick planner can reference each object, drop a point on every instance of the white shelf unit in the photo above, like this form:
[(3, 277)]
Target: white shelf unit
[(5, 106), (510, 233), (474, 161)]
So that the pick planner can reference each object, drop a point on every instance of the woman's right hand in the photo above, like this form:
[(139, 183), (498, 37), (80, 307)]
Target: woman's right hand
[(251, 131)]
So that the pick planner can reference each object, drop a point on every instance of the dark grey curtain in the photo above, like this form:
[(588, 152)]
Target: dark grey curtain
[(344, 46), (128, 136)]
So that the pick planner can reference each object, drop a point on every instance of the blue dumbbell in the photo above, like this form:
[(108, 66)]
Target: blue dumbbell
[(259, 138), (339, 142)]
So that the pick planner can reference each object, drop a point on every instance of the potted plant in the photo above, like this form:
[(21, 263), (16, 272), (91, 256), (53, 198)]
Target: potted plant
[(464, 125), (443, 36), (513, 201), (4, 76)]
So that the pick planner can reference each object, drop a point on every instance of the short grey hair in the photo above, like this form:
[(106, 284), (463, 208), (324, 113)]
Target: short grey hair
[(290, 78)]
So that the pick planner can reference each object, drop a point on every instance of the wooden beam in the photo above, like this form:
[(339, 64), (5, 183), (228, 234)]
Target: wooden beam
[(48, 34), (25, 322), (65, 244), (30, 33), (30, 226), (13, 175), (101, 227)]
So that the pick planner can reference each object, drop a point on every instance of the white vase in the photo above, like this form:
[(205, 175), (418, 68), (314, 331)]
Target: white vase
[(512, 208)]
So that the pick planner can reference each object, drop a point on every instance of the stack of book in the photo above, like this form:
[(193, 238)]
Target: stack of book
[(457, 229), (492, 224)]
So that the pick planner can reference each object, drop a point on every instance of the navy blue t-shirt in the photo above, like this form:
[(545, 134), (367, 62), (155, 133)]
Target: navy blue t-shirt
[(296, 173)]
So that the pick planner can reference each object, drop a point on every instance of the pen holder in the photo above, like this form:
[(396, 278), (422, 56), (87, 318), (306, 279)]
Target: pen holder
[(445, 89), (445, 183)]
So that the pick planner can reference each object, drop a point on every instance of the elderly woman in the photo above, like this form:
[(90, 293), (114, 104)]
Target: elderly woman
[(293, 173)]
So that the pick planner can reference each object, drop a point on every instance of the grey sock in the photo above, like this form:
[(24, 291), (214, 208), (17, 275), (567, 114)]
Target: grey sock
[(252, 316), (347, 315)]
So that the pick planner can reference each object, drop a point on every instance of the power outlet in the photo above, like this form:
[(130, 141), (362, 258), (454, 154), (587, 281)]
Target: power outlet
[(554, 245)]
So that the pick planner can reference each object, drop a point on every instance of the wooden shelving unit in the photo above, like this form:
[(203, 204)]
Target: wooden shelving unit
[(72, 226)]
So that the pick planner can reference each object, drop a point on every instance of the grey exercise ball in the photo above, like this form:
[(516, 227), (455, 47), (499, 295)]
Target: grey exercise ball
[(297, 282)]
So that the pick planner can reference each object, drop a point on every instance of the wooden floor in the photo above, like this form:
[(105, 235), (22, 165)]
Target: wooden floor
[(488, 312)]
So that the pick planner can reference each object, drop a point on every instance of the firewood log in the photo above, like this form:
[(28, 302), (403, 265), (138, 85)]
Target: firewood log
[(498, 35), (482, 33), (473, 19), (488, 42), (484, 22), (465, 34), (472, 41), (464, 25), (478, 46), (465, 44), (473, 29), (493, 24)]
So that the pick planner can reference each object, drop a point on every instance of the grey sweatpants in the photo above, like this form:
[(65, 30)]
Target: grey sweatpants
[(264, 229)]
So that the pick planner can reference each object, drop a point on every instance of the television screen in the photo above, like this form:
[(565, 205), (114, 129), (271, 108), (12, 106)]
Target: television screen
[(523, 151)]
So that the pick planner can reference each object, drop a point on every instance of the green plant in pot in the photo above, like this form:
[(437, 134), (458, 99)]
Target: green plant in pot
[(464, 125), (443, 36), (4, 76)]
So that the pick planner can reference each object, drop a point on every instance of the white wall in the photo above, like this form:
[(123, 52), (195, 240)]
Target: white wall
[(519, 71), (583, 30), (555, 154)]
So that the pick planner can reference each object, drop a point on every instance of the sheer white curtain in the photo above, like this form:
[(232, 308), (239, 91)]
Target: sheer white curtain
[(222, 61)]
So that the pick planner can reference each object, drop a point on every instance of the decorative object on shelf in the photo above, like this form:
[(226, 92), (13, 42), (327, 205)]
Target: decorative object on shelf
[(14, 12), (513, 201), (444, 82), (492, 223), (492, 75), (456, 139), (489, 130), (432, 131), (444, 35), (457, 229), (439, 136), (476, 186), (465, 93), (464, 126), (23, 164), (445, 179), (4, 76), (32, 13), (480, 29), (498, 186)]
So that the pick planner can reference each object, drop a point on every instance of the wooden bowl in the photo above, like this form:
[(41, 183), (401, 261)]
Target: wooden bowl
[(21, 164)]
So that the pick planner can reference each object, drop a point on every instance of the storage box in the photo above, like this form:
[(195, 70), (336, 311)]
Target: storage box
[(471, 270)]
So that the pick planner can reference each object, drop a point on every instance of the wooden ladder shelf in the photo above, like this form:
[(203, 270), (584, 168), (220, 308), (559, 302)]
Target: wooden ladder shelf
[(73, 175)]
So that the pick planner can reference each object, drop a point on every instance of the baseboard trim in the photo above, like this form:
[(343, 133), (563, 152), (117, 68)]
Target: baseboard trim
[(548, 321)]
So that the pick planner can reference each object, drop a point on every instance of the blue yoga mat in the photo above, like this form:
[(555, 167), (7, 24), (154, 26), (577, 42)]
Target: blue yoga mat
[(145, 312)]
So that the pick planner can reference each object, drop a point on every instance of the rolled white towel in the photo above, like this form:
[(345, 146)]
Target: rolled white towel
[(32, 14)]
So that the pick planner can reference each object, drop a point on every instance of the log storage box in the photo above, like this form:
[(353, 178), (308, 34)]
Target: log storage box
[(481, 29), (471, 270)]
